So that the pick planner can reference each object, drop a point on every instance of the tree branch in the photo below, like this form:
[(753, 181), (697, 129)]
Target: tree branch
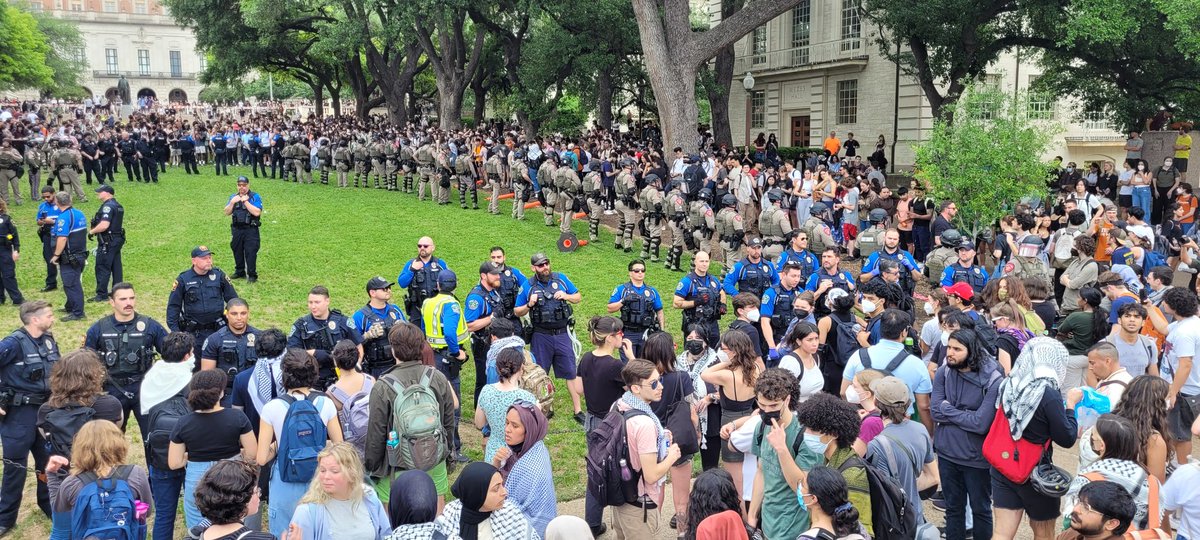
[(704, 45)]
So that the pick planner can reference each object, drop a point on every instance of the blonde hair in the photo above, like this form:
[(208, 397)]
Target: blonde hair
[(99, 446), (352, 468), (1010, 310), (867, 377)]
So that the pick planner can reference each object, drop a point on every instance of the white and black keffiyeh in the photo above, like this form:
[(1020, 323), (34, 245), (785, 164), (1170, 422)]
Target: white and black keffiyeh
[(1041, 365), (419, 531), (1127, 474), (508, 523)]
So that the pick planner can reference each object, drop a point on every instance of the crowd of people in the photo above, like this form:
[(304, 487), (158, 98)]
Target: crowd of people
[(823, 403)]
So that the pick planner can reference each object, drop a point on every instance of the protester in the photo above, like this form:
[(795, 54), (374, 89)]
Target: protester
[(677, 387), (338, 504), (413, 507), (833, 515), (496, 399), (1183, 342), (1115, 439), (735, 377), (831, 429), (713, 494), (1144, 403), (903, 449), (783, 457), (696, 357), (482, 505), (351, 393), (524, 462), (1104, 511), (600, 370), (100, 451), (226, 494), (804, 342), (568, 528)]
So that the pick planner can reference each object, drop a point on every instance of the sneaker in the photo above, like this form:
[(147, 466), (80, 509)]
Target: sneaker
[(49, 288), (579, 417), (98, 298), (610, 212), (459, 457), (72, 317), (599, 530), (675, 521)]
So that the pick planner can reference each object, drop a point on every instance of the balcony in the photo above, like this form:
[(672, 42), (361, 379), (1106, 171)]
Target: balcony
[(846, 52), (105, 74)]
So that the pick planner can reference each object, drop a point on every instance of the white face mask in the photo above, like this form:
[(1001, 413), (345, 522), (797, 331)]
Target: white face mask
[(945, 338), (753, 315), (928, 309), (852, 395), (868, 306)]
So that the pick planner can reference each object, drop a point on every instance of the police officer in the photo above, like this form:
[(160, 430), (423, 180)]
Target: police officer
[(145, 155), (26, 357), (108, 157), (70, 252), (730, 230), (245, 209), (593, 192), (255, 147), (160, 148), (127, 342), (198, 299), (1026, 263), (701, 221), (640, 306), (548, 191), (10, 253), (753, 274), (797, 252), (776, 310), (46, 215), (378, 153), (341, 160), (702, 300), (375, 320), (569, 187), (871, 238), (627, 206), (494, 167), (408, 166), (419, 276), (187, 154), (278, 162), (11, 162), (909, 271), (483, 304), (91, 157), (67, 166), (964, 270), (129, 157), (547, 298), (943, 255), (828, 277), (774, 224), (324, 159), (675, 208), (511, 283), (521, 185), (319, 331), (219, 144), (651, 201), (108, 228), (446, 331), (231, 349)]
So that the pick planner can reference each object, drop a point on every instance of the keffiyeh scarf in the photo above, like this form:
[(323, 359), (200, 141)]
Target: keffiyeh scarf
[(1041, 365)]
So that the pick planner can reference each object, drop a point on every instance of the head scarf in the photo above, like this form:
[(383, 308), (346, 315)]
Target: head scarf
[(1041, 365), (535, 430), (568, 528), (413, 499), (727, 525), (163, 380), (471, 488)]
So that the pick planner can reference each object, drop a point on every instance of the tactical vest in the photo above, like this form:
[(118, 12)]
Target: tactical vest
[(754, 278), (906, 279), (424, 155), (235, 353), (377, 151), (839, 282), (321, 336), (64, 158), (323, 154), (768, 223), (807, 261), (726, 229), (241, 216), (625, 186), (697, 211), (341, 155), (377, 352), (549, 313), (676, 207), (31, 374), (424, 282), (116, 219), (128, 352), (972, 276), (869, 242), (649, 207), (637, 309), (492, 166), (937, 261), (813, 228), (706, 292), (431, 313), (783, 315), (508, 291), (545, 175), (360, 151), (593, 186), (567, 181)]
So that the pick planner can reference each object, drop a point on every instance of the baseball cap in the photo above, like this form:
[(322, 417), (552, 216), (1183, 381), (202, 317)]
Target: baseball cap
[(754, 242), (890, 391), (376, 283), (539, 258), (966, 244), (488, 267), (104, 188), (201, 251), (960, 290), (243, 180)]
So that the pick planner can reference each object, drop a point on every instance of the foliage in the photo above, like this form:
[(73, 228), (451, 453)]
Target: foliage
[(991, 152), (63, 40), (23, 51), (570, 117)]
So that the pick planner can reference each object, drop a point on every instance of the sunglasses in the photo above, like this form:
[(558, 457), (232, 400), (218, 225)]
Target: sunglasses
[(542, 265), (424, 245), (524, 404), (639, 270), (653, 384)]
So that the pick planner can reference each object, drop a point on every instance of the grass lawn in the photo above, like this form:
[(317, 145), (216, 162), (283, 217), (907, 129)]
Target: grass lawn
[(340, 238)]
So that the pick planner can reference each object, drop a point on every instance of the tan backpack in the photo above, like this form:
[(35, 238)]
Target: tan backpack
[(535, 380)]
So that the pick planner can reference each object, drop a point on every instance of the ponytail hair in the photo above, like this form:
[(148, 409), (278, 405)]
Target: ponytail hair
[(833, 496), (600, 327)]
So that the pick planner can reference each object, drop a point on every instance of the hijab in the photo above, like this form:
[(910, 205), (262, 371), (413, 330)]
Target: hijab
[(568, 528), (1041, 365), (471, 488), (727, 525), (535, 430), (413, 499)]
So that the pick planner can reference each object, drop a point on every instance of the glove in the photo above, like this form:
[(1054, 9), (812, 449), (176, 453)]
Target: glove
[(376, 331), (773, 354)]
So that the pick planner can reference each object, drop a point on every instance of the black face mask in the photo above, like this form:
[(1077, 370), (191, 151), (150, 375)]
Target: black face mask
[(1074, 252), (801, 313), (695, 346), (767, 417)]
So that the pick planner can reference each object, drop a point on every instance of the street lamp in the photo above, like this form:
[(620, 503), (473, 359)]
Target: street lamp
[(748, 82)]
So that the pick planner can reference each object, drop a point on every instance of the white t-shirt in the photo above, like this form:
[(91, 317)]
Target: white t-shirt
[(275, 411), (931, 333), (1183, 340), (811, 380), (1179, 495), (743, 439)]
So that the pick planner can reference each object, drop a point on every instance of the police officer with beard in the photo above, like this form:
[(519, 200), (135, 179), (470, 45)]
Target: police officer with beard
[(231, 349), (420, 278), (108, 228), (483, 304), (547, 298), (198, 297), (245, 208), (376, 319), (127, 342), (319, 331), (640, 306)]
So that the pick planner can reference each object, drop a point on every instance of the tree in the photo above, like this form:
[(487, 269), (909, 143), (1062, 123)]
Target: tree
[(23, 51), (62, 41), (673, 54), (453, 49), (718, 81), (991, 152)]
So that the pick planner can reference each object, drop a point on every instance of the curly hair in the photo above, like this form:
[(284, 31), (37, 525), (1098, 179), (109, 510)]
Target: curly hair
[(1085, 245), (206, 388), (777, 384), (1181, 301), (78, 377), (830, 415), (742, 355), (225, 490), (299, 369), (1014, 288), (509, 362), (833, 496), (712, 493), (891, 296), (1145, 403)]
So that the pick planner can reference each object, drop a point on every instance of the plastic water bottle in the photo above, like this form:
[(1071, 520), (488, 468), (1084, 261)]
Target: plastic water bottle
[(393, 439), (625, 474)]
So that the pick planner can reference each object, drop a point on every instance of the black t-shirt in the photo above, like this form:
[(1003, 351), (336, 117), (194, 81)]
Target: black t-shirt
[(851, 147), (752, 331), (672, 384), (602, 383), (922, 206), (940, 225), (212, 436)]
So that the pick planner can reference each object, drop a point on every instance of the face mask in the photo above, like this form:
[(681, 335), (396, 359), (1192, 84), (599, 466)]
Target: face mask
[(868, 306), (767, 417), (800, 500), (753, 315), (945, 338), (801, 313), (695, 346), (928, 309), (852, 395), (1074, 252), (1002, 295), (814, 444)]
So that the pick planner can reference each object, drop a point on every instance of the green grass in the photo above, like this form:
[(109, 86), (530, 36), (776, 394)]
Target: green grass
[(339, 238)]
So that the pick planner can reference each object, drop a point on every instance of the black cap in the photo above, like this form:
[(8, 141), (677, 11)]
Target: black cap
[(489, 267), (376, 283), (104, 188), (243, 180), (754, 242), (201, 251), (538, 258)]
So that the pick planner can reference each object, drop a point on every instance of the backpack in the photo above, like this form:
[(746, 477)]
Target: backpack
[(1153, 530), (1062, 248), (354, 413), (894, 363), (611, 478), (1150, 259), (693, 181), (301, 439), (892, 514), (420, 441), (1013, 459), (61, 425), (536, 381), (844, 343), (162, 421), (104, 508)]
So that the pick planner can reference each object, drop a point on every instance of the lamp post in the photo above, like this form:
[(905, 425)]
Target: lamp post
[(748, 82)]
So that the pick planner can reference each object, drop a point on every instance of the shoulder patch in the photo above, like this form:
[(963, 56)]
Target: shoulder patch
[(679, 287), (175, 285), (472, 304), (737, 217), (350, 323)]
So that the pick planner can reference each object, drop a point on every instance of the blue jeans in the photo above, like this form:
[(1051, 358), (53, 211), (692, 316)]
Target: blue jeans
[(959, 483), (195, 470), (165, 484), (1142, 198)]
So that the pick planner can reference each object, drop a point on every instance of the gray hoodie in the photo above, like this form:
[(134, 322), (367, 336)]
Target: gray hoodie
[(963, 405)]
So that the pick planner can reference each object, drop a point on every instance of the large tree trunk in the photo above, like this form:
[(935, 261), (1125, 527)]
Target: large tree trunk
[(718, 97), (319, 99), (452, 69), (335, 100), (604, 100), (480, 92)]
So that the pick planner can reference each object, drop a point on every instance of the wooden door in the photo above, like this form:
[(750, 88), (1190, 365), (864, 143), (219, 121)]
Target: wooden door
[(800, 130)]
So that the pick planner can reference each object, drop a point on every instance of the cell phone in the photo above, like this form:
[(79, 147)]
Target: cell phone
[(1142, 295)]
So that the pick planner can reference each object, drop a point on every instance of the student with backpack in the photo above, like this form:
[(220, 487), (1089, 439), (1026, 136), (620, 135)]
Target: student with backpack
[(351, 394), (164, 402), (831, 427), (600, 370), (892, 358), (842, 333), (77, 396), (827, 498), (103, 492), (208, 434), (784, 457), (903, 450), (304, 419)]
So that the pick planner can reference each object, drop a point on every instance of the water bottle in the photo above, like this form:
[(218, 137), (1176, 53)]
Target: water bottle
[(625, 474), (393, 439)]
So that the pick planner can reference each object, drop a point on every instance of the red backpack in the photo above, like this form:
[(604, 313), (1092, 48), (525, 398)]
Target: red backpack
[(1014, 459)]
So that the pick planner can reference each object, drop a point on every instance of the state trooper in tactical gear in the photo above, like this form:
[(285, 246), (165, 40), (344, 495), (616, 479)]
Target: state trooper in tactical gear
[(324, 158), (424, 156), (547, 299), (128, 343), (319, 331), (675, 209), (593, 192), (362, 160), (871, 239), (702, 299), (653, 211), (522, 186), (511, 283), (391, 163), (446, 332), (1027, 262), (964, 270), (701, 221), (570, 194), (231, 349), (408, 164), (198, 296), (774, 224), (942, 256), (375, 320), (11, 168), (730, 231), (245, 210), (776, 310), (640, 306), (483, 304), (26, 357), (68, 163), (828, 277), (753, 274), (819, 228), (419, 276), (108, 228), (494, 168), (627, 206), (549, 192), (342, 157)]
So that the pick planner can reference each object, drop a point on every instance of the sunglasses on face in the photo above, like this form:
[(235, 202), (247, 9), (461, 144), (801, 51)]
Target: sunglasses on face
[(639, 270), (541, 265), (653, 384), (424, 245)]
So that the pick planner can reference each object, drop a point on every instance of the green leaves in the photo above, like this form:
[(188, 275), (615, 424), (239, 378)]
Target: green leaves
[(23, 51)]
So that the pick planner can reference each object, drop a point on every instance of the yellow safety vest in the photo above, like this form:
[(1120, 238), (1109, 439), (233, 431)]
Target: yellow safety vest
[(431, 314)]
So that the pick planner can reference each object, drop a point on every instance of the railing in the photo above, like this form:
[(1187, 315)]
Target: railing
[(818, 53), (106, 74)]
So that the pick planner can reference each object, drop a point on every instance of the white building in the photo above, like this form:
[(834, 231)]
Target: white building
[(134, 38), (817, 68)]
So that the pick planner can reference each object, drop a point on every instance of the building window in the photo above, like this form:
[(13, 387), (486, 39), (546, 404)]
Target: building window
[(76, 5), (203, 62), (851, 25), (1096, 120), (176, 64), (35, 6), (801, 30), (1041, 106), (847, 102), (140, 7), (110, 61), (110, 6), (758, 108), (760, 45), (81, 55), (58, 4), (144, 61)]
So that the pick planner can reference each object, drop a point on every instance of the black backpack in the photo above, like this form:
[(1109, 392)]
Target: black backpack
[(608, 461), (162, 421), (693, 180), (62, 424), (843, 344), (892, 514), (894, 363)]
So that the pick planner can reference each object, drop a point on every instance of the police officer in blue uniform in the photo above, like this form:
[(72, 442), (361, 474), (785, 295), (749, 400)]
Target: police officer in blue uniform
[(255, 149), (483, 304), (127, 342), (640, 306), (26, 357), (108, 228), (277, 161), (419, 276), (319, 331), (701, 298), (965, 270), (776, 310), (547, 298), (220, 154), (70, 253), (797, 251), (512, 280), (375, 320), (129, 156), (753, 274), (826, 278), (446, 331), (47, 213), (198, 297), (231, 349), (909, 271), (245, 209)]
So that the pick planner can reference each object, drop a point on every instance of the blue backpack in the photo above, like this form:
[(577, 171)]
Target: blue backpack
[(104, 508), (302, 438)]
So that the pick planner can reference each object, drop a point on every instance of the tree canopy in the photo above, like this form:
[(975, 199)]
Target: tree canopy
[(38, 52)]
